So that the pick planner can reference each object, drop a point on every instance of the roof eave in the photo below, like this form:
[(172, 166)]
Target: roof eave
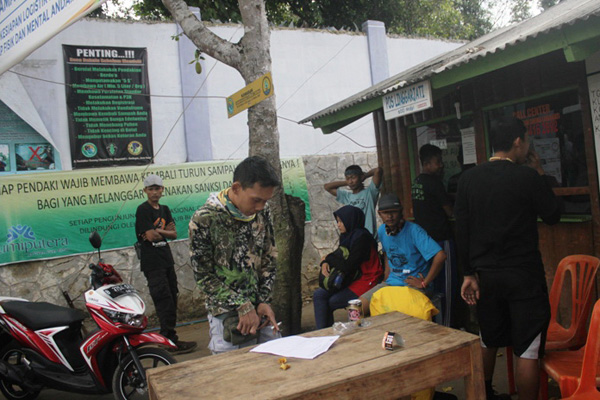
[(577, 41)]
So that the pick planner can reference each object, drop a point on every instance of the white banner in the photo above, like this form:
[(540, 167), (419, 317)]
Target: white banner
[(25, 25), (407, 100), (594, 92)]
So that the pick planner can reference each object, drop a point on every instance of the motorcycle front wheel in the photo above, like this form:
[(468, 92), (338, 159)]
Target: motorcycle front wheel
[(127, 381), (13, 355)]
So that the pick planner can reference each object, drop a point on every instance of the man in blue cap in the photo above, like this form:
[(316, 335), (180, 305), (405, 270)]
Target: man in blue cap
[(411, 257)]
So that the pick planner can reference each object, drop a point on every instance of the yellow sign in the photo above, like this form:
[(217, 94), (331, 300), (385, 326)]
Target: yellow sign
[(254, 93)]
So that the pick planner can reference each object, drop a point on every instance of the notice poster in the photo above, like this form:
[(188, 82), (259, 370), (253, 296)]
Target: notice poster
[(594, 92), (108, 106), (468, 145), (34, 156), (548, 149), (52, 214), (540, 120)]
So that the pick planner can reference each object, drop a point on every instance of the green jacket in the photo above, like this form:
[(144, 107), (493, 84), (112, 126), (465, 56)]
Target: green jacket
[(234, 262)]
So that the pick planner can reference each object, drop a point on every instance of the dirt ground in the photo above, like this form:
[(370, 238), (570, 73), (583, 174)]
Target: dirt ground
[(198, 331)]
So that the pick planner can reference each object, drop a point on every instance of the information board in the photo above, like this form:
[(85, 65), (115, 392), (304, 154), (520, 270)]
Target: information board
[(108, 105)]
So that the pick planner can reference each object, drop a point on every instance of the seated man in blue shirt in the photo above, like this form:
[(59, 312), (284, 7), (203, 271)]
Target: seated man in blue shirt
[(411, 257)]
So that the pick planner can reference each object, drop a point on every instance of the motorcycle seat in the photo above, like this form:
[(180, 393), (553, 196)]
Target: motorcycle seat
[(40, 315)]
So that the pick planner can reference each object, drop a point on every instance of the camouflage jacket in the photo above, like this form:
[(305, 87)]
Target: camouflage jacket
[(234, 262)]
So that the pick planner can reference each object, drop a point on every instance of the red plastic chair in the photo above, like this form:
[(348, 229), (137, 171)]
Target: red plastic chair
[(582, 283), (583, 270), (576, 371)]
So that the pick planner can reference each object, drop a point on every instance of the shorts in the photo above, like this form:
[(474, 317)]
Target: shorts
[(514, 310), (218, 345)]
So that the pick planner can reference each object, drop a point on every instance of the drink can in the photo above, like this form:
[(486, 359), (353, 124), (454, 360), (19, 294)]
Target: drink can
[(355, 311)]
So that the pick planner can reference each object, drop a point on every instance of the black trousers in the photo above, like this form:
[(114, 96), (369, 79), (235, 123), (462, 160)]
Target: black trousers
[(162, 284)]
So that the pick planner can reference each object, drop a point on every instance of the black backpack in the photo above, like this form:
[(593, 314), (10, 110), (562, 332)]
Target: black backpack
[(340, 275)]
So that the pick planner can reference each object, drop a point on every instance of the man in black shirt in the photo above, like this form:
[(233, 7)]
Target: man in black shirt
[(496, 211), (432, 207), (431, 204), (153, 226)]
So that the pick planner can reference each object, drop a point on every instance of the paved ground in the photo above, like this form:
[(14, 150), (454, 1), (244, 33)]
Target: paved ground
[(198, 331)]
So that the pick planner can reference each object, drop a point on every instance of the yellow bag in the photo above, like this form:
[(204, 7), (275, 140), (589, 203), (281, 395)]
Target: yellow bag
[(407, 301), (404, 299)]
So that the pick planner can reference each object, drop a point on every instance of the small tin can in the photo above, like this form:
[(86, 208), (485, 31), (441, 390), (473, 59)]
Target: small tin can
[(355, 311), (388, 342)]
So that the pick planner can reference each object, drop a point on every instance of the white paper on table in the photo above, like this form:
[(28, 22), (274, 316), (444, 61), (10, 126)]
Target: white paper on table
[(297, 346)]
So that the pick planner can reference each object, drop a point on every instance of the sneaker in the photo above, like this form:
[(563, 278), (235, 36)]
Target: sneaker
[(183, 347)]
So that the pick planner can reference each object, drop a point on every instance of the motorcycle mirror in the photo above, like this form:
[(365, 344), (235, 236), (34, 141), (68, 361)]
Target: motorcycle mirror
[(95, 240)]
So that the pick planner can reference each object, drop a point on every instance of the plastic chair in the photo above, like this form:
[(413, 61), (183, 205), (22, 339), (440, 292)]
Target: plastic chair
[(583, 270), (576, 371)]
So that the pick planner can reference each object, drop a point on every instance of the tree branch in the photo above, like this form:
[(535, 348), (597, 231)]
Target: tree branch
[(204, 39), (256, 55)]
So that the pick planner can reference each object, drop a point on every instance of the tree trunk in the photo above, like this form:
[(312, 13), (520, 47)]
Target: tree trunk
[(252, 58)]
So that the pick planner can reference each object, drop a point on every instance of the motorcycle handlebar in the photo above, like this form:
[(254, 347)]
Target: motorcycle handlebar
[(96, 269), (103, 274), (96, 276)]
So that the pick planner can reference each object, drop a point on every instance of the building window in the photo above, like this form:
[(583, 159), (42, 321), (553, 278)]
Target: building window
[(448, 135), (555, 130), (22, 149)]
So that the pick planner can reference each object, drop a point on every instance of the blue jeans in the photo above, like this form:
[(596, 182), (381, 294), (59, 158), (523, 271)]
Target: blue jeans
[(326, 303), (218, 345)]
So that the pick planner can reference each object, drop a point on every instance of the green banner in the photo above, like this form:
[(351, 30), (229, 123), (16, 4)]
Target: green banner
[(52, 214)]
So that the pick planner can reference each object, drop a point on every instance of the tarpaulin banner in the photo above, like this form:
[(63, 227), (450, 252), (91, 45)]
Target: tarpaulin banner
[(51, 214), (108, 105), (26, 25)]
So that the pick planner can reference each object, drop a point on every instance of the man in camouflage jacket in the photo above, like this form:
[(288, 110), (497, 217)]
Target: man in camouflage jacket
[(233, 255)]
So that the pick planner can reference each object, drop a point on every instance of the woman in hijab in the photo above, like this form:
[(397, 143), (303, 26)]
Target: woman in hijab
[(355, 261)]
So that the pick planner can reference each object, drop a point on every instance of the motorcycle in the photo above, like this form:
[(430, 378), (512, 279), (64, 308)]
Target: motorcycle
[(42, 344)]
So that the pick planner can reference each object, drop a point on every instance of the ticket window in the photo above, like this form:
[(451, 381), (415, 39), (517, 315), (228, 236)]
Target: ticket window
[(555, 130)]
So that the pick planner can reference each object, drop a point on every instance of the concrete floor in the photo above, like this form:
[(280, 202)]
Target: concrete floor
[(198, 332)]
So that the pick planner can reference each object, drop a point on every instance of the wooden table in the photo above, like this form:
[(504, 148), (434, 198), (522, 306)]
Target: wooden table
[(355, 367)]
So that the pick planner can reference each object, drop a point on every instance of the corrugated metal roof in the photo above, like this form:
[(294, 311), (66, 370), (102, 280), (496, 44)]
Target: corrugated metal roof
[(565, 13)]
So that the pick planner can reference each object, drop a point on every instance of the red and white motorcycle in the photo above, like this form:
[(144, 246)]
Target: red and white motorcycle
[(42, 344)]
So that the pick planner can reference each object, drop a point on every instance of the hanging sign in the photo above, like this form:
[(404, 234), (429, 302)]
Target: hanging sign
[(254, 93), (407, 100)]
